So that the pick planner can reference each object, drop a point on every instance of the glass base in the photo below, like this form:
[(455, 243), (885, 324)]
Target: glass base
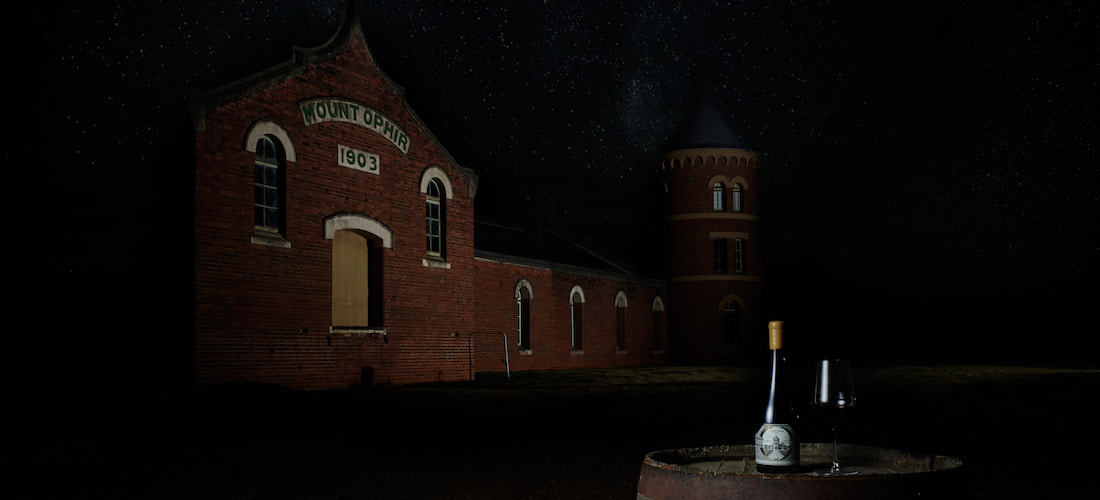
[(836, 470)]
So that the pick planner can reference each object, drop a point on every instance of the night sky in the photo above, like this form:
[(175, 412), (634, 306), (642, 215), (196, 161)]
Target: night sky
[(929, 170)]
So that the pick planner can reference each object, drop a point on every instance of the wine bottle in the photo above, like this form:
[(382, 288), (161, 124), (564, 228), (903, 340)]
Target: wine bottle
[(777, 448)]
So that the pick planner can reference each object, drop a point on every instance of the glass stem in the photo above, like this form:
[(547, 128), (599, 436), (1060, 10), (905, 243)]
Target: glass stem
[(836, 459)]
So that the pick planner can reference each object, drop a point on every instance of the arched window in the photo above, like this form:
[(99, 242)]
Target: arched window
[(272, 151), (523, 301), (719, 190), (576, 310), (620, 321), (435, 219), (735, 201), (658, 323), (268, 181), (731, 324)]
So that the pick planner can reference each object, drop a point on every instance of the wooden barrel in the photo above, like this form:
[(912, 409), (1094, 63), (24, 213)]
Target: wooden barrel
[(730, 472)]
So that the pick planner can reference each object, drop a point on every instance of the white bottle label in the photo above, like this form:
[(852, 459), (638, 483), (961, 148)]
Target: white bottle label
[(776, 445)]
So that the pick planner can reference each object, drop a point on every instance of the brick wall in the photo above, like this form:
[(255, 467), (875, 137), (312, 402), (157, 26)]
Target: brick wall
[(550, 327)]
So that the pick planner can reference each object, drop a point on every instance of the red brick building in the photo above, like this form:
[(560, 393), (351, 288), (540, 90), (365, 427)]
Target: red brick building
[(336, 244)]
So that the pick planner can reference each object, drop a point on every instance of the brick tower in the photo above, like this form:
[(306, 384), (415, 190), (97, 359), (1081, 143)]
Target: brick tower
[(708, 197)]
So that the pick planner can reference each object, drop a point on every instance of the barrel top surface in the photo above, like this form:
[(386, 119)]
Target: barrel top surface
[(739, 460)]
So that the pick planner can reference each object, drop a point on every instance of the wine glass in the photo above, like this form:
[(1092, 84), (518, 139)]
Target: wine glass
[(834, 399)]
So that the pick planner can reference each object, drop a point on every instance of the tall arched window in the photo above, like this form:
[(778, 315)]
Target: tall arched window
[(735, 201), (731, 324), (719, 190), (272, 152), (435, 220), (576, 310), (268, 181), (523, 301), (620, 321), (658, 323)]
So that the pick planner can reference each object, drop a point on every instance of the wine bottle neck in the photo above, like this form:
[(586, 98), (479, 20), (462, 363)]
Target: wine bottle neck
[(773, 392)]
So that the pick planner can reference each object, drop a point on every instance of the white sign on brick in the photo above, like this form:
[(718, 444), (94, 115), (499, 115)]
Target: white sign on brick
[(359, 160), (335, 109)]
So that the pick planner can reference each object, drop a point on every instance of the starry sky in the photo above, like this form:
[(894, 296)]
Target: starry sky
[(923, 163)]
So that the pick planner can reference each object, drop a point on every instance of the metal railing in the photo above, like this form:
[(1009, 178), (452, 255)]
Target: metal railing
[(507, 368)]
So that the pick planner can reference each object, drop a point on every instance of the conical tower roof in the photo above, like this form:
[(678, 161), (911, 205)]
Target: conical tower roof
[(705, 125)]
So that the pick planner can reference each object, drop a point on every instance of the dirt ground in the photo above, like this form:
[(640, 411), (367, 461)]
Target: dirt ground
[(1020, 431)]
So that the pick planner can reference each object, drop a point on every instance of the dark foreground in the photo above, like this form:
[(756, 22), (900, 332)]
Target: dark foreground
[(1020, 431)]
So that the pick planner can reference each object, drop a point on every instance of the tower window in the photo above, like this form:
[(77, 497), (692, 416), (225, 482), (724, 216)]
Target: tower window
[(719, 190), (735, 201), (720, 256), (739, 255)]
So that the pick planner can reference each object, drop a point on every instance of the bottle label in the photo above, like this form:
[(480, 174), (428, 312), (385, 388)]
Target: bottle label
[(776, 445)]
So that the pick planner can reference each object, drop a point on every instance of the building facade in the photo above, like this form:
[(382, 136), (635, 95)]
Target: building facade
[(335, 245)]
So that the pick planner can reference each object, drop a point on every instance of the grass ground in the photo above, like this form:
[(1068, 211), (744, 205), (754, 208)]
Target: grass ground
[(1021, 432)]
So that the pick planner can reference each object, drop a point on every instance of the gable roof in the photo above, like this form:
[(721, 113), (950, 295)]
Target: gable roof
[(301, 58), (350, 30)]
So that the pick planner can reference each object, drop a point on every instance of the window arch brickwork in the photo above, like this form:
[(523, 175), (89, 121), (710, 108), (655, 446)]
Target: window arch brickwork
[(271, 129), (434, 172), (361, 222)]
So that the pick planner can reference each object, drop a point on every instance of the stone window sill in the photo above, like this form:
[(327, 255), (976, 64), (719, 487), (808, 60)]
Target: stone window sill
[(348, 331), (269, 239), (435, 263)]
